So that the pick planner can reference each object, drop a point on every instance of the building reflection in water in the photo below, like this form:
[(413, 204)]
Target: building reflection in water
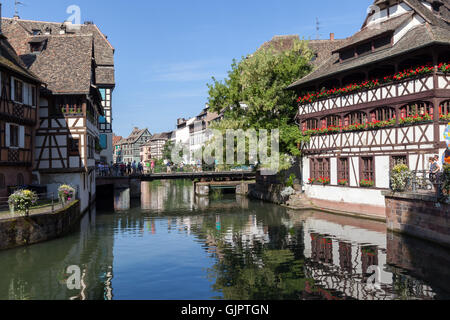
[(122, 201), (39, 271), (253, 250)]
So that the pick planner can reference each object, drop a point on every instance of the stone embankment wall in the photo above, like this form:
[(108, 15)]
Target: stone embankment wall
[(267, 188), (419, 215), (22, 231)]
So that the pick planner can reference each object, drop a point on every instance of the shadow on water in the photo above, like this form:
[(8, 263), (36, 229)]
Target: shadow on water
[(171, 244)]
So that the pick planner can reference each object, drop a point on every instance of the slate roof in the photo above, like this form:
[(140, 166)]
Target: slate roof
[(437, 31), (65, 65), (322, 48), (10, 60), (160, 136), (21, 32)]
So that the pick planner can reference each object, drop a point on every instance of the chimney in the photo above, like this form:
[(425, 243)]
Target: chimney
[(331, 36)]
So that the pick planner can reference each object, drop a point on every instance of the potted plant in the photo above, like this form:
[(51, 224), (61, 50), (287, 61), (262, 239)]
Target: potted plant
[(400, 176), (343, 182), (311, 180), (367, 183), (66, 193), (22, 200)]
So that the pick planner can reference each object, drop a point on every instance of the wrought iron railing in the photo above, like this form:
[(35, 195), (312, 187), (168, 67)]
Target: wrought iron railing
[(421, 181), (47, 203)]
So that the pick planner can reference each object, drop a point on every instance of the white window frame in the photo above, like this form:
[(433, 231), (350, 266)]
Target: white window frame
[(21, 136)]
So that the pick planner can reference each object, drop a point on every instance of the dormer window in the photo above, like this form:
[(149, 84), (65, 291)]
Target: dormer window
[(364, 48), (35, 47), (36, 32), (37, 44)]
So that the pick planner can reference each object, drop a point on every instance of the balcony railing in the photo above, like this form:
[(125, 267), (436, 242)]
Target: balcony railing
[(18, 113), (383, 92), (18, 157)]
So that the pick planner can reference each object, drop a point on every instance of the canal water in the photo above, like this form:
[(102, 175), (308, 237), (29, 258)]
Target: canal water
[(171, 244)]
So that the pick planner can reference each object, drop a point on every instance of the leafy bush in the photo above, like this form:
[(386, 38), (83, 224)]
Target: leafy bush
[(23, 200), (400, 177), (290, 181)]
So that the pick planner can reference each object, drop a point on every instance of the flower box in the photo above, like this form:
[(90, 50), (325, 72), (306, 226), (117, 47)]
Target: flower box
[(343, 182), (367, 183), (323, 181), (408, 74)]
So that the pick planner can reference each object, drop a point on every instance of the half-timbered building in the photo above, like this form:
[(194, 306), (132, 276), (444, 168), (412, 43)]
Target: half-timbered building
[(70, 105), (26, 36), (18, 119), (130, 147), (381, 99)]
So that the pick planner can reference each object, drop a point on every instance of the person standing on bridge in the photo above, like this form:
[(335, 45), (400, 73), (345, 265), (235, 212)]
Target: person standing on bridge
[(134, 166), (152, 166)]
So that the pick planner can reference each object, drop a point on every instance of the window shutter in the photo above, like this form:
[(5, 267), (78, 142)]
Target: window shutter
[(12, 89), (25, 93), (21, 137), (7, 135)]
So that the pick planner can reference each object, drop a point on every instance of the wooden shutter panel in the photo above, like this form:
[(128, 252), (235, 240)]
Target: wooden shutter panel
[(7, 135), (21, 137), (12, 89), (25, 93)]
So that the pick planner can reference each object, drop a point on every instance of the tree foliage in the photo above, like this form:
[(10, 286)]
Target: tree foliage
[(254, 94)]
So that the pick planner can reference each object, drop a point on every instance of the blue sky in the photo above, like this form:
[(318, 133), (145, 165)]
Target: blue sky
[(167, 51)]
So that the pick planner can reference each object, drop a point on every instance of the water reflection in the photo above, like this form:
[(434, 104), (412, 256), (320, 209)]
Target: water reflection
[(39, 271), (174, 245)]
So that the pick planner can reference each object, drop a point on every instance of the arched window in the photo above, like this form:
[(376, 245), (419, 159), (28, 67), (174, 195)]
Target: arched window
[(2, 181), (416, 108), (357, 117), (382, 114), (310, 124), (20, 180), (444, 108), (331, 121)]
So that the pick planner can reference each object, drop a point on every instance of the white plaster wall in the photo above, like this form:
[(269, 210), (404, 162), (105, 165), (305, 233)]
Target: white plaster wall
[(53, 181), (407, 26), (382, 172), (348, 195), (306, 170), (333, 173), (399, 9), (354, 174)]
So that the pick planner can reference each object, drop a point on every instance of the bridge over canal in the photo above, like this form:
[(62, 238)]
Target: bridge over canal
[(228, 179)]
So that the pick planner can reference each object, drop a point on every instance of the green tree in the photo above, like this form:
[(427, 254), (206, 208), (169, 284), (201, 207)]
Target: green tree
[(254, 95), (167, 150)]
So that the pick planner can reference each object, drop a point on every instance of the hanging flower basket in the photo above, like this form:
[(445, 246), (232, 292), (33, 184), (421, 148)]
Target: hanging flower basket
[(66, 194), (22, 201)]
